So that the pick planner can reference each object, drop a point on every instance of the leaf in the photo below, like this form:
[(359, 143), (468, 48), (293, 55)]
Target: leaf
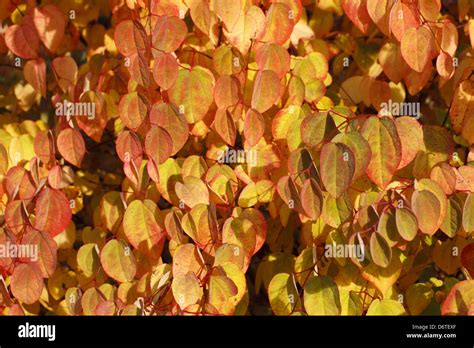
[(403, 16), (382, 136), (468, 214), (199, 224), (411, 138), (88, 260), (386, 307), (315, 128), (227, 91), (273, 57), (165, 116), (359, 147), (460, 299), (254, 127), (168, 33), (278, 25), (356, 10), (321, 296), (312, 199), (192, 93), (35, 74), (111, 210), (71, 146), (266, 90), (165, 69), (187, 259), (462, 106), (249, 195), (192, 191), (418, 297), (133, 109), (186, 289), (337, 168), (47, 251), (427, 209), (65, 71), (118, 261), (416, 47), (130, 38), (229, 12), (52, 211), (225, 126), (23, 40), (380, 250), (453, 220), (221, 289), (140, 226), (392, 62), (26, 283), (379, 12), (158, 144), (50, 24), (407, 224), (283, 295), (248, 26)]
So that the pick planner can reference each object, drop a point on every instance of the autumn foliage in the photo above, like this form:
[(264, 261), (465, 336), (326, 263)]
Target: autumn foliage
[(201, 157)]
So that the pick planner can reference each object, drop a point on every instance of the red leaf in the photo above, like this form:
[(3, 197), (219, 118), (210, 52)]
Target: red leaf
[(71, 146), (35, 74), (52, 211)]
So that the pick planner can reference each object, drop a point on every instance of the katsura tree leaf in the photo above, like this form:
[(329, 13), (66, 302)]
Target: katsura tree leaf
[(186, 289), (468, 214), (403, 16), (26, 283), (407, 224), (192, 93), (50, 24), (23, 40), (467, 258), (35, 74), (379, 12), (225, 125), (140, 226), (118, 261), (337, 168), (380, 250), (273, 57), (254, 126), (357, 12), (88, 260), (427, 209), (53, 212), (453, 219), (418, 297), (321, 296), (359, 147), (316, 128), (416, 47), (133, 109), (168, 117), (168, 33), (266, 90), (381, 134), (278, 25), (158, 144), (459, 300), (192, 191), (71, 146), (283, 294), (312, 199), (130, 37), (411, 138)]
